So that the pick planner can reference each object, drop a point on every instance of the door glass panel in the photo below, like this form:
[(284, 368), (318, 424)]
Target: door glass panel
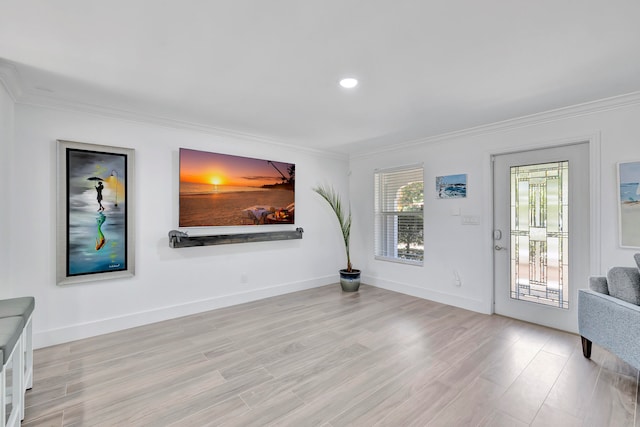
[(539, 233)]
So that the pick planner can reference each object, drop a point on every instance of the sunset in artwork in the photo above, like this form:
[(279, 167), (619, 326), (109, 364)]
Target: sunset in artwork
[(219, 190)]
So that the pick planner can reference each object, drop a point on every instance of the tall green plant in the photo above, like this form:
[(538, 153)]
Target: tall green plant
[(344, 218)]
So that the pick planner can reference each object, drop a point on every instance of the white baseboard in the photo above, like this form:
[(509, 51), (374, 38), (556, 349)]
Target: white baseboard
[(441, 297), (104, 326)]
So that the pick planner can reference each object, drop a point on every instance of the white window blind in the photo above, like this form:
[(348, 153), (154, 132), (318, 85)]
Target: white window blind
[(399, 218)]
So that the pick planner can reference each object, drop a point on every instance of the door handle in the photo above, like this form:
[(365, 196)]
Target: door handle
[(499, 248)]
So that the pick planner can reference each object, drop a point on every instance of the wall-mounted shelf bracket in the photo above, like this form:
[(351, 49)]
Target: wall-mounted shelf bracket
[(179, 239)]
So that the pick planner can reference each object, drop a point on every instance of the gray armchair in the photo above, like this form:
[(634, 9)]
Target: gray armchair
[(609, 313)]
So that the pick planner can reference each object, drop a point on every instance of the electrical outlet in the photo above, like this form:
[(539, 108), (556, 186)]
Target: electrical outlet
[(456, 278)]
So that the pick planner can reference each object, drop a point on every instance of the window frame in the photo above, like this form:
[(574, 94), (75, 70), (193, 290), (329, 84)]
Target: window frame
[(386, 221)]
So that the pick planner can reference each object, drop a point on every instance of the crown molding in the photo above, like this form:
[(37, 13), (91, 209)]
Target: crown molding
[(10, 78), (586, 108), (58, 103)]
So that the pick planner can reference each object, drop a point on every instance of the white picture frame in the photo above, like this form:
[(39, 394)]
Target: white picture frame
[(95, 214), (629, 204)]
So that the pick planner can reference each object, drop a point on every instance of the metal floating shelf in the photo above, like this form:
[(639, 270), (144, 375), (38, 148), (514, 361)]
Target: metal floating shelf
[(179, 240)]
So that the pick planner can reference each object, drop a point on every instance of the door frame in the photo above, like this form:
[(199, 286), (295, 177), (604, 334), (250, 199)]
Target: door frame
[(593, 141)]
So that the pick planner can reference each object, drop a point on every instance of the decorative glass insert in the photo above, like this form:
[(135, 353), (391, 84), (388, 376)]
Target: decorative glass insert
[(540, 233)]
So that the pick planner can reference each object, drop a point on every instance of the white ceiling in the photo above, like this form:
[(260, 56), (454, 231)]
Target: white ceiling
[(270, 68)]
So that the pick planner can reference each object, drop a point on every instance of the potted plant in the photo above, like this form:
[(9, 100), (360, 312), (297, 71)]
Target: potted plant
[(349, 277)]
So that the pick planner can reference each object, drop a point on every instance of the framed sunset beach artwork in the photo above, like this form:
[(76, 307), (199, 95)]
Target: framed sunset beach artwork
[(95, 212), (225, 190), (629, 204)]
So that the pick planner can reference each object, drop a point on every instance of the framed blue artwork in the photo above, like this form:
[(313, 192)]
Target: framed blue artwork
[(629, 204), (451, 186), (95, 212)]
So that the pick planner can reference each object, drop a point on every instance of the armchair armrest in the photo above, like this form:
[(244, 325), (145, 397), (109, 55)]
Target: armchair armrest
[(610, 323)]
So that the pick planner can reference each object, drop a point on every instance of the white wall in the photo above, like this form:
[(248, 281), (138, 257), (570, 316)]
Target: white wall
[(168, 282), (173, 282), (468, 249), (6, 143)]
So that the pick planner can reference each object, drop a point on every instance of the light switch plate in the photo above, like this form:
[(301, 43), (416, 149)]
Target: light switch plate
[(470, 220)]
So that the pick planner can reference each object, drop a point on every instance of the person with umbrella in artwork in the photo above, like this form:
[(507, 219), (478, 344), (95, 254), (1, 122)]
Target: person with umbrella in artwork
[(99, 188)]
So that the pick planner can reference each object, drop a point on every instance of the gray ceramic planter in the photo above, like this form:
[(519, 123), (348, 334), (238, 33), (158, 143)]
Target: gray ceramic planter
[(350, 281)]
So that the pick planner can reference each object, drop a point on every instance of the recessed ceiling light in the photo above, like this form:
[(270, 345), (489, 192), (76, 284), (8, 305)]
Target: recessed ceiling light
[(349, 83)]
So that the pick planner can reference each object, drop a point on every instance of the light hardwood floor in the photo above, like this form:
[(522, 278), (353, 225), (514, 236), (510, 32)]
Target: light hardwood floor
[(323, 357)]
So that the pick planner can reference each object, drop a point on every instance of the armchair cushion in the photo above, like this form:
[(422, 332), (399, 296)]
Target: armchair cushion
[(599, 284), (624, 283), (10, 332), (22, 306)]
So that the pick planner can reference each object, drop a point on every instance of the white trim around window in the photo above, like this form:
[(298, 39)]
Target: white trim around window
[(399, 215)]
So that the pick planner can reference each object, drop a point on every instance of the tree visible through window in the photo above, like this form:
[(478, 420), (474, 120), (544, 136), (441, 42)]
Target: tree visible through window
[(399, 199), (410, 235)]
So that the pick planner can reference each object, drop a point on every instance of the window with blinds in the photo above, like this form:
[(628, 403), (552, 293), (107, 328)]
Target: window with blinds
[(399, 218)]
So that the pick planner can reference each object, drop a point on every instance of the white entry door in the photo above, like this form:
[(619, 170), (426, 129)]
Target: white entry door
[(541, 234)]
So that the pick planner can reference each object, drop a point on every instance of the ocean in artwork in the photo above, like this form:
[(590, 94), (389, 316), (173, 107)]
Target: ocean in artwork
[(629, 176), (451, 186), (218, 189), (630, 192)]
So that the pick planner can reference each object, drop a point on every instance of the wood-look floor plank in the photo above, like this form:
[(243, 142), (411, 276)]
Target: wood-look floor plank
[(422, 407), (614, 401), (512, 362), (500, 419), (331, 364), (52, 420), (573, 391), (477, 401), (465, 370), (137, 409), (399, 389), (164, 405), (276, 407), (215, 415), (527, 393), (122, 391), (321, 406), (327, 358), (327, 381), (550, 416), (157, 360)]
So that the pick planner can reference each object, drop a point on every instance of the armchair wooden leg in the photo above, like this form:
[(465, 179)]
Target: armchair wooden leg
[(586, 347)]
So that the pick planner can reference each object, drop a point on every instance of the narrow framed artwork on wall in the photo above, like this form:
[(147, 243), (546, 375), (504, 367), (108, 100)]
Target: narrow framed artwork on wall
[(629, 204), (95, 224)]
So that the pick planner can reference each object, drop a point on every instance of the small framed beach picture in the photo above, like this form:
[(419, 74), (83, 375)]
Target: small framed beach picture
[(224, 190), (451, 186), (95, 224), (629, 204)]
